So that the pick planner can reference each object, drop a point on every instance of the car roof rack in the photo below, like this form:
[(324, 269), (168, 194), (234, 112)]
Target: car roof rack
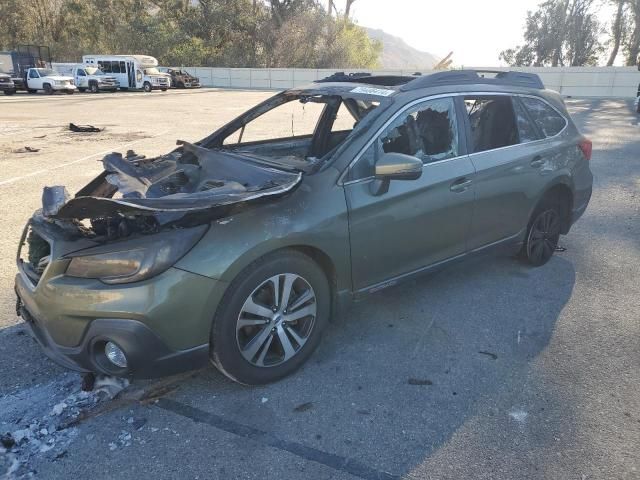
[(457, 77), (367, 78)]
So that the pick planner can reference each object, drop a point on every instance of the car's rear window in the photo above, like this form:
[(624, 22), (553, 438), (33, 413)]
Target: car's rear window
[(548, 120)]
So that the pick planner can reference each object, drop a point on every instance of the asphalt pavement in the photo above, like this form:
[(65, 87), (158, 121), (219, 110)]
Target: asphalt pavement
[(486, 370)]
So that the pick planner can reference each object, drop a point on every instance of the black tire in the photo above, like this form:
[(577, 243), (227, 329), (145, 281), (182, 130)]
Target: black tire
[(543, 232), (93, 87), (9, 92), (226, 353), (32, 91), (163, 89), (70, 92), (147, 87), (123, 89), (82, 89), (47, 89)]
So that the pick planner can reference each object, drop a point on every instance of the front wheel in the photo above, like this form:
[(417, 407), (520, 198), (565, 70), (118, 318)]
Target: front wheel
[(147, 87), (271, 319), (93, 88), (543, 234), (47, 89)]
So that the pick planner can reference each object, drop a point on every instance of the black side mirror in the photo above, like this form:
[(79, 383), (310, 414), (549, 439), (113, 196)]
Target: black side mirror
[(394, 166)]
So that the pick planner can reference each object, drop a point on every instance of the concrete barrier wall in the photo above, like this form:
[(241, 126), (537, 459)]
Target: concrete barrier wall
[(614, 82)]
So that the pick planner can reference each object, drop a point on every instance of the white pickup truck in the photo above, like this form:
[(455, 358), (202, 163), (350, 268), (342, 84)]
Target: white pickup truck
[(48, 80), (87, 77)]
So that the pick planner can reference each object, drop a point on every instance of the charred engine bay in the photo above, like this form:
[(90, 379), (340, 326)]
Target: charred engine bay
[(190, 186)]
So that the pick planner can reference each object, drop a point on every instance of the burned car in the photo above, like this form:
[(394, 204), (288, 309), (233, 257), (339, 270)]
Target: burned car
[(181, 78), (240, 247)]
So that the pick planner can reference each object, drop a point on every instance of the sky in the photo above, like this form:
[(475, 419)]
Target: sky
[(476, 30)]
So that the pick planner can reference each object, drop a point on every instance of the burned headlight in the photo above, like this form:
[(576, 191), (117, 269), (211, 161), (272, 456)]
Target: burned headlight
[(134, 259)]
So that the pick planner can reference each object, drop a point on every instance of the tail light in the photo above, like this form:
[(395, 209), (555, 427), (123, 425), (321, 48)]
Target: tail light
[(586, 146)]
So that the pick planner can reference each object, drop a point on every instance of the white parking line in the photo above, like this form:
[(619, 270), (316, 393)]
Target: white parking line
[(62, 165)]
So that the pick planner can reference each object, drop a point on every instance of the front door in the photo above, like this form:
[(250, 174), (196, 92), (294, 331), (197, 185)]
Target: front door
[(416, 223)]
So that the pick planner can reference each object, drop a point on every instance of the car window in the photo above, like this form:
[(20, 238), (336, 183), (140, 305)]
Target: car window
[(81, 73), (291, 119), (492, 121), (344, 120), (33, 74), (526, 129), (548, 119), (427, 131)]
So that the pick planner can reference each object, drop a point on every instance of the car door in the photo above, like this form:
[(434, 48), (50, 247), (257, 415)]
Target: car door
[(415, 223), (33, 81), (509, 167)]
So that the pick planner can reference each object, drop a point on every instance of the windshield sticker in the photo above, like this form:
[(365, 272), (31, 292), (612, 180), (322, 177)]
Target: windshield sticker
[(381, 92)]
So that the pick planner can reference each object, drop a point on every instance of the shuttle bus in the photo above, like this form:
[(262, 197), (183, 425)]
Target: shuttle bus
[(134, 72)]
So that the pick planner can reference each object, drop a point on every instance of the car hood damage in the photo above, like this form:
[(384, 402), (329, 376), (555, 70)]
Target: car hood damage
[(190, 185)]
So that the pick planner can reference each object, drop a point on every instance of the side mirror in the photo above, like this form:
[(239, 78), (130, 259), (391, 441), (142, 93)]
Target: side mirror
[(394, 166)]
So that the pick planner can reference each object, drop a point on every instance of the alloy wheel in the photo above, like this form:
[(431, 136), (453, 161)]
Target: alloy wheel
[(543, 237), (276, 320)]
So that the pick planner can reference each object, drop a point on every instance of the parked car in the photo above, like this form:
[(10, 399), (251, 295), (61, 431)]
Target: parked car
[(180, 78), (241, 247), (48, 80), (88, 77), (7, 84)]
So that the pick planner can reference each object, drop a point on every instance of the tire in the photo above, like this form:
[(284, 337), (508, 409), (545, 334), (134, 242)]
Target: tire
[(70, 92), (253, 353), (32, 91), (123, 89), (543, 232), (147, 87), (93, 87), (163, 89), (47, 89), (9, 92), (82, 89)]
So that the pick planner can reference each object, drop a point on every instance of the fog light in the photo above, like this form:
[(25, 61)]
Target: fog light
[(115, 355)]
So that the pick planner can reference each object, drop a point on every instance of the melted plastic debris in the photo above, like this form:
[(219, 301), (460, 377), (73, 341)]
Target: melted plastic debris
[(38, 422)]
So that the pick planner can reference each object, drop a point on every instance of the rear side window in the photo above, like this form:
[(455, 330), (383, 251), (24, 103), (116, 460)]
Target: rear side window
[(548, 120), (493, 122), (526, 128)]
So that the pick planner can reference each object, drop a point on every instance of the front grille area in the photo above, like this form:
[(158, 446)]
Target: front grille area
[(34, 255)]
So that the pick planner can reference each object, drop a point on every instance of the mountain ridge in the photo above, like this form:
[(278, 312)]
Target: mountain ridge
[(398, 54)]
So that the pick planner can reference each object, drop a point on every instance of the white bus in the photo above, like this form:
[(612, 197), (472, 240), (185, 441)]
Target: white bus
[(136, 72)]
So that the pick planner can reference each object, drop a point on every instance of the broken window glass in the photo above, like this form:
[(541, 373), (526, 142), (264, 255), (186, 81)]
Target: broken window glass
[(428, 131), (526, 128), (547, 119)]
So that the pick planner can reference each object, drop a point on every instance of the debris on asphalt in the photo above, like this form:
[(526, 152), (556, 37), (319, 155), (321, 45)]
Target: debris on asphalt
[(83, 128), (363, 411), (264, 400), (39, 422), (489, 354), (419, 381), (88, 382), (137, 423), (26, 149), (303, 407)]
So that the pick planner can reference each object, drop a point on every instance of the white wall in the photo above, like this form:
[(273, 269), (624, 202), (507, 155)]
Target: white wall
[(616, 82)]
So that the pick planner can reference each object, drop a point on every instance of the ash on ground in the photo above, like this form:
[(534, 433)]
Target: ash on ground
[(38, 422)]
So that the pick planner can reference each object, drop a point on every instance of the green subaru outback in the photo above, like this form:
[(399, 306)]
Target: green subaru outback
[(239, 248)]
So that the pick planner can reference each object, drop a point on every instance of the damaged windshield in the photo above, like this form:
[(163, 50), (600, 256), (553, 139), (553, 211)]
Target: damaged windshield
[(297, 130)]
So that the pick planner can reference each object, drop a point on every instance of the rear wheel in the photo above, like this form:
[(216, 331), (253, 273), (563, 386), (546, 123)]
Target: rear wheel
[(543, 233), (271, 319), (31, 90), (47, 89), (82, 89), (147, 87), (9, 92)]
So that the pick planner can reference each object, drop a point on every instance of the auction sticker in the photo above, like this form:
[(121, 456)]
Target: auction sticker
[(380, 92)]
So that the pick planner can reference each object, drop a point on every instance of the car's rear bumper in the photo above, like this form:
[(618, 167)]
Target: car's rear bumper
[(581, 202)]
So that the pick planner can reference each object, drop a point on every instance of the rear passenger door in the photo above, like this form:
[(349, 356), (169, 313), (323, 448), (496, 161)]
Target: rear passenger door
[(509, 168)]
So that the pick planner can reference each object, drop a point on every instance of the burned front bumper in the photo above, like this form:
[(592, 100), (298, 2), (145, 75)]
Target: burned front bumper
[(162, 324)]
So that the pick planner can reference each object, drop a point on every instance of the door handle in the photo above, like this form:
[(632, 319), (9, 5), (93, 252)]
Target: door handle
[(460, 185), (537, 162)]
